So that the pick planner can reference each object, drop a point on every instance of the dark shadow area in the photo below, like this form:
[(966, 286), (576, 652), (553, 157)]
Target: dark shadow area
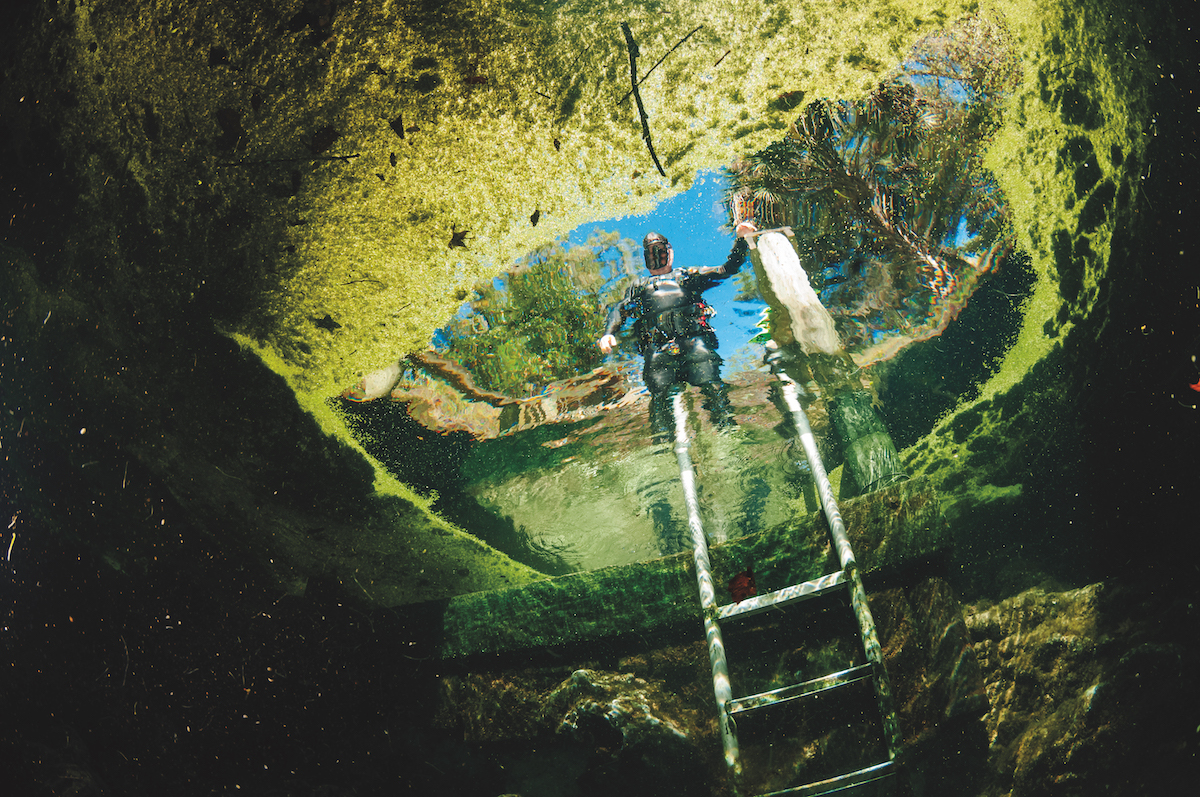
[(432, 462), (927, 380), (189, 677)]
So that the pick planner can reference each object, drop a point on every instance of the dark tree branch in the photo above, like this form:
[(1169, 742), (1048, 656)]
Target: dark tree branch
[(633, 54), (651, 69)]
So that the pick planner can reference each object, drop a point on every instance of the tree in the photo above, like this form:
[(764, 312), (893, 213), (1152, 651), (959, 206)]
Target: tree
[(539, 322), (888, 195)]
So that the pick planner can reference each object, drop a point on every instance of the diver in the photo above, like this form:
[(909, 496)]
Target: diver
[(673, 332)]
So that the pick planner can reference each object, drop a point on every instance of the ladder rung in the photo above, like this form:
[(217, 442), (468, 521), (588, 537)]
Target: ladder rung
[(786, 693), (782, 597), (841, 782)]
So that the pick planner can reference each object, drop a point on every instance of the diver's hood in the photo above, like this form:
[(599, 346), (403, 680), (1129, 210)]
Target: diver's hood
[(657, 251)]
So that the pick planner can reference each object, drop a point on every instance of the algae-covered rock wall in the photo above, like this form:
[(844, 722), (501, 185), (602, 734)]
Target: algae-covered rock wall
[(1030, 463), (214, 216), (363, 161), (322, 181)]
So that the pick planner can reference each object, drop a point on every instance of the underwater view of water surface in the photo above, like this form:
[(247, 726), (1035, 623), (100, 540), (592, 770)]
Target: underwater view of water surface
[(559, 399), (901, 236)]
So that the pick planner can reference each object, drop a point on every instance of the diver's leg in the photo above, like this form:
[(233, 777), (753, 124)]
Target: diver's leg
[(668, 529), (659, 375), (662, 418), (704, 371), (716, 401)]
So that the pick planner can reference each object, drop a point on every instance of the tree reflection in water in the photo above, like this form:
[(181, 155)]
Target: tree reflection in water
[(897, 220), (538, 323)]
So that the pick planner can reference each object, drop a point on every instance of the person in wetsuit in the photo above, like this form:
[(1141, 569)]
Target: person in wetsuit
[(674, 336)]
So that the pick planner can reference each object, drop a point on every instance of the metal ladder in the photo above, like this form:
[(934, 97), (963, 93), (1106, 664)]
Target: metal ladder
[(728, 706)]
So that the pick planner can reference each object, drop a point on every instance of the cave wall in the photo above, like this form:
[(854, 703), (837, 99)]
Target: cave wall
[(162, 482), (299, 176), (297, 164), (293, 175), (1025, 465)]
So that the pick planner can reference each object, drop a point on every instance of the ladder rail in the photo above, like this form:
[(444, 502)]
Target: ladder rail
[(858, 595), (837, 527), (848, 577), (722, 689)]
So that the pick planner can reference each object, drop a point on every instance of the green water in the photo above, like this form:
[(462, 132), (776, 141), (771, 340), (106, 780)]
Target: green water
[(600, 492)]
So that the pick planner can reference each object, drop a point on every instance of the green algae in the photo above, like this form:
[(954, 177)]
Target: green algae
[(892, 530), (402, 552), (1072, 133), (545, 131), (1043, 131), (294, 227)]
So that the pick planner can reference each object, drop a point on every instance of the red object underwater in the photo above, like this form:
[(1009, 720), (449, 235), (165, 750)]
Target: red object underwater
[(742, 586)]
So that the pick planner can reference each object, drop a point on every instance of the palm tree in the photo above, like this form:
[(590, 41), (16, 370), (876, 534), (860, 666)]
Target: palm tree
[(893, 184)]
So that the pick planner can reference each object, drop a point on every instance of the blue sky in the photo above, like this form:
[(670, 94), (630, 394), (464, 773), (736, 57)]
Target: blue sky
[(693, 222)]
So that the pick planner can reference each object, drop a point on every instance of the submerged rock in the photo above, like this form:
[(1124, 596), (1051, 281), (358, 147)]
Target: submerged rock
[(595, 703), (375, 384), (1082, 699), (595, 729)]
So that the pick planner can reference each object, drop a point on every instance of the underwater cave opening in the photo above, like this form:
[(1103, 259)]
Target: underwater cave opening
[(530, 438)]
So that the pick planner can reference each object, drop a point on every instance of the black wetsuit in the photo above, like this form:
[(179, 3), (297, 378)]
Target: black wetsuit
[(674, 336)]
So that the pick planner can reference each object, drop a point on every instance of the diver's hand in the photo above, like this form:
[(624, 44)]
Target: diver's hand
[(746, 228), (607, 343)]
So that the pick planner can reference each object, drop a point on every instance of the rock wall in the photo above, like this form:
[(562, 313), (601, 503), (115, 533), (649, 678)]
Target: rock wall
[(322, 181), (325, 179), (1089, 689)]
